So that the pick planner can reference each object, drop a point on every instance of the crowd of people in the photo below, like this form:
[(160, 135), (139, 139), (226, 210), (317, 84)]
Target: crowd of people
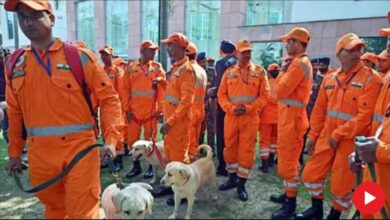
[(59, 102)]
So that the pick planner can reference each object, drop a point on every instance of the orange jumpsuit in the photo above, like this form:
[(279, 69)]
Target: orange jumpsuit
[(140, 99), (293, 92), (249, 86), (343, 110), (382, 167), (115, 73), (269, 123), (179, 96), (59, 125), (197, 108)]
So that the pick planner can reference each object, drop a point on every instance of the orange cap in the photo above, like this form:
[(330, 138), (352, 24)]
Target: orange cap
[(273, 66), (370, 57), (191, 49), (384, 32), (298, 33), (383, 55), (348, 41), (177, 38), (37, 5), (243, 45), (106, 49), (148, 44)]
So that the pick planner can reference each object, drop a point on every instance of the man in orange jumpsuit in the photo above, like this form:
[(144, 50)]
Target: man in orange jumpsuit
[(197, 108), (269, 122), (115, 73), (293, 89), (178, 98), (369, 59), (243, 92), (376, 148), (48, 101), (343, 110), (141, 101)]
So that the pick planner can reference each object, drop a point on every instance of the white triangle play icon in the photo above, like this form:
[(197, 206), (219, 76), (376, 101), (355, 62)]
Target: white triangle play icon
[(368, 198)]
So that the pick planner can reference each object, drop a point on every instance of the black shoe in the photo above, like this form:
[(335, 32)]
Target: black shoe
[(264, 166), (271, 160), (316, 211), (278, 198), (135, 171), (287, 209), (149, 173), (333, 214), (230, 184), (171, 201), (222, 172), (162, 191), (241, 191), (118, 163)]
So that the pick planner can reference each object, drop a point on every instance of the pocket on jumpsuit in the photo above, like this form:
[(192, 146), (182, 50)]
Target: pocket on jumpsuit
[(65, 91)]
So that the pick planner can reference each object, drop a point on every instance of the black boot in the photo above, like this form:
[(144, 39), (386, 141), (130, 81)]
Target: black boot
[(333, 214), (314, 212), (222, 172), (264, 166), (162, 191), (242, 195), (149, 173), (271, 160), (287, 209), (230, 184), (278, 198), (118, 163), (135, 171)]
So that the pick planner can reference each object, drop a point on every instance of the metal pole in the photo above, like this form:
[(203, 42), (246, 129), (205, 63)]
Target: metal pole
[(16, 31), (163, 30)]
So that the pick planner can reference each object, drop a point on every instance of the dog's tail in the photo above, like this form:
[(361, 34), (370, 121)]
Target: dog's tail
[(208, 149)]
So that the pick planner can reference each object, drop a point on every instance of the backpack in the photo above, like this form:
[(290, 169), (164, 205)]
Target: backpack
[(74, 61)]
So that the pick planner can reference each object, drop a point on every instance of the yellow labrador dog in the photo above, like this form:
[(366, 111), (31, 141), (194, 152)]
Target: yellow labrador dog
[(187, 179), (145, 149), (132, 202)]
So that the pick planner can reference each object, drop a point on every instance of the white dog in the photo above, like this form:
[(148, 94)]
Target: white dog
[(132, 202), (145, 149), (187, 179)]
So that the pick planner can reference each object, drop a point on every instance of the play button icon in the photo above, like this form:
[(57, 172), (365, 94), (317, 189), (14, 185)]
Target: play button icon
[(369, 198)]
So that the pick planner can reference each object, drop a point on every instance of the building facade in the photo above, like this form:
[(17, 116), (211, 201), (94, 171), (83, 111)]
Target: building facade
[(124, 24)]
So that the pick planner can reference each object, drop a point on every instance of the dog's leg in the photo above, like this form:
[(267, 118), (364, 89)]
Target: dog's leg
[(177, 205), (155, 179), (213, 180), (190, 205)]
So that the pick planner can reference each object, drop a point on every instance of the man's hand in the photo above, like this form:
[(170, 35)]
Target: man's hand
[(165, 129), (12, 163), (353, 165), (130, 116), (310, 147), (333, 143), (239, 110), (367, 150), (108, 150)]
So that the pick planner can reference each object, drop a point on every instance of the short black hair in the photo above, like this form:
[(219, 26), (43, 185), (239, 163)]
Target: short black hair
[(191, 56)]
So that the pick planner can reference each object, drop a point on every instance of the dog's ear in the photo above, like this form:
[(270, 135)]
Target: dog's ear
[(145, 186), (148, 146), (118, 201), (184, 173), (149, 204)]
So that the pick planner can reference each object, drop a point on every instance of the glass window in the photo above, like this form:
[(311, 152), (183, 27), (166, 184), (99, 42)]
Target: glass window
[(116, 26), (264, 12), (374, 44), (86, 23), (202, 24), (149, 19), (10, 25), (265, 53)]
